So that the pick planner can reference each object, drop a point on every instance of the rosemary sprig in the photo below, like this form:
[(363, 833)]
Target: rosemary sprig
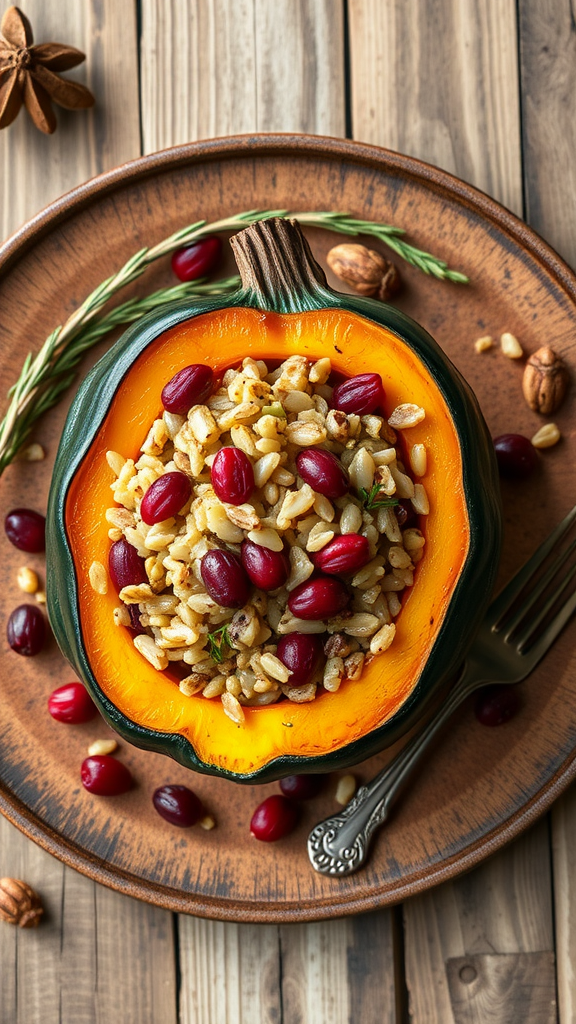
[(388, 235), (43, 380), (371, 501), (44, 377), (218, 641)]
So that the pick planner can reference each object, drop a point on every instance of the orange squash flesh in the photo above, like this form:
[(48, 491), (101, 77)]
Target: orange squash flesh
[(152, 699)]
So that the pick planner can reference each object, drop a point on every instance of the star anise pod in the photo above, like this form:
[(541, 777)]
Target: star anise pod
[(27, 74)]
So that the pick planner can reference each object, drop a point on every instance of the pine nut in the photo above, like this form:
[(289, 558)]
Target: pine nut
[(510, 346), (345, 790), (102, 747), (27, 580), (547, 436)]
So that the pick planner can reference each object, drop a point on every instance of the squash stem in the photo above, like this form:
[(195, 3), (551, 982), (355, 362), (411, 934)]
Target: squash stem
[(277, 268)]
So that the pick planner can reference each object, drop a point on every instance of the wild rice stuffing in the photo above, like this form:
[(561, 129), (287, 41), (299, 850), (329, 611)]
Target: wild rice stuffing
[(232, 653)]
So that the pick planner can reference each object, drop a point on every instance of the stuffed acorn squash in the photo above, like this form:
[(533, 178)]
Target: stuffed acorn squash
[(283, 308)]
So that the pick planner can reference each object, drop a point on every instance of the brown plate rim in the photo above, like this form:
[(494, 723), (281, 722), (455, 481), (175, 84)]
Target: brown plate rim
[(440, 181)]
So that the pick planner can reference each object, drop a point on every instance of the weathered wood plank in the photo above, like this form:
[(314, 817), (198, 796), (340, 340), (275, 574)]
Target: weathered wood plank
[(98, 955), (230, 972), (503, 987), (443, 86), (548, 80), (339, 972), (36, 168), (502, 908), (220, 67), (564, 874), (548, 85), (439, 80)]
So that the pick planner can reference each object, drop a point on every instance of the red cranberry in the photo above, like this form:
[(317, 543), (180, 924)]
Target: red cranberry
[(232, 476), (302, 787), (178, 805), (165, 497), (516, 456), (273, 819), (361, 394), (105, 776), (318, 598), (343, 554), (323, 471), (267, 569), (301, 653), (125, 565), (26, 630), (25, 529), (190, 386), (496, 704), (224, 578), (198, 259), (72, 704)]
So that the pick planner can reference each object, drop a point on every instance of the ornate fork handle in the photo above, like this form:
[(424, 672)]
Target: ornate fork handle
[(339, 845)]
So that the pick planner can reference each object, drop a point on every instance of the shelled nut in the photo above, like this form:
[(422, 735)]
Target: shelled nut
[(19, 904), (364, 270), (545, 381)]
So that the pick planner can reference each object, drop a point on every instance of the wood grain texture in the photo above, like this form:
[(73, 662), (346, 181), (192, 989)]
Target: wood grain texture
[(564, 867), (217, 67), (339, 972), (438, 79), (502, 908), (548, 77), (97, 956), (444, 87), (229, 972), (36, 168), (503, 988)]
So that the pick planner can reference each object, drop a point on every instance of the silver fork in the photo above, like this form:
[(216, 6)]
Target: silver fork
[(507, 648)]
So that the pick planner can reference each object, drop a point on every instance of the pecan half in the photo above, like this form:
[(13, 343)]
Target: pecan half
[(545, 381)]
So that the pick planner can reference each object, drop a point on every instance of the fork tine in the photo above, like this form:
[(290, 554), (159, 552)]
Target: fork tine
[(523, 637), (508, 595), (513, 621), (539, 649)]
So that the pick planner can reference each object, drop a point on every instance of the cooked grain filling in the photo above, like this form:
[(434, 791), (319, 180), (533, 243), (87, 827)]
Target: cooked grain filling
[(232, 653)]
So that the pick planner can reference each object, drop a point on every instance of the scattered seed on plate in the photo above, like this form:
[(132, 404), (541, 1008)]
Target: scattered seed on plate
[(484, 343), (28, 580), (102, 747), (345, 789), (207, 822), (33, 453), (547, 436), (510, 345)]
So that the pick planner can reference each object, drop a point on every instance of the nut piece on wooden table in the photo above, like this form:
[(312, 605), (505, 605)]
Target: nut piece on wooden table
[(19, 904), (364, 270), (545, 381)]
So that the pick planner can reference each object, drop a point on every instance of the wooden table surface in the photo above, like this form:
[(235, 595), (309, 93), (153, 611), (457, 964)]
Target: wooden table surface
[(485, 89)]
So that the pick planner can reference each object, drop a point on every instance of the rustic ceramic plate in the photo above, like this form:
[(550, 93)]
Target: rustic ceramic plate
[(480, 786)]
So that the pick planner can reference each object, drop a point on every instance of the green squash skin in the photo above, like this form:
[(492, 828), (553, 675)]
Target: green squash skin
[(471, 594)]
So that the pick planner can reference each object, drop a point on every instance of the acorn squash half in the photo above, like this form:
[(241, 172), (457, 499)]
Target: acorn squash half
[(283, 307)]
